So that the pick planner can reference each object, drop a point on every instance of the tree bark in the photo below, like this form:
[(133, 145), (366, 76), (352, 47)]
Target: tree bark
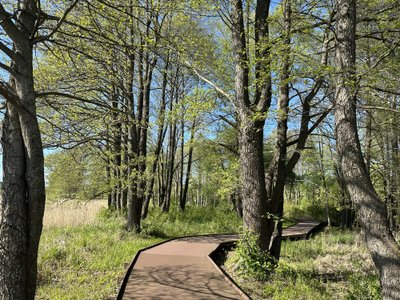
[(183, 199), (23, 198), (251, 116), (160, 139), (370, 209), (280, 171)]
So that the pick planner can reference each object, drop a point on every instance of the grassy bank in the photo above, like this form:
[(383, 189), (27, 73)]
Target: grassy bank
[(86, 258), (332, 265)]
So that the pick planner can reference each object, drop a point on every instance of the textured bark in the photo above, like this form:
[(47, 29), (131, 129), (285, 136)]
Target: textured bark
[(371, 211), (253, 180), (22, 203), (279, 163), (251, 116)]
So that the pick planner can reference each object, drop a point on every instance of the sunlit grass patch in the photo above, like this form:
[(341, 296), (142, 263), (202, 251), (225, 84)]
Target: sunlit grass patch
[(332, 265), (194, 220), (72, 212), (88, 260)]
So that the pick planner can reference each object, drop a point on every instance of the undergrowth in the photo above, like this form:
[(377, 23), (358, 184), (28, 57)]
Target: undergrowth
[(88, 261), (249, 260), (332, 265)]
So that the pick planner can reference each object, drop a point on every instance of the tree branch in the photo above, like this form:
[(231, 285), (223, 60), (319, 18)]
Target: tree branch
[(59, 94), (58, 25), (7, 68), (6, 50), (217, 88), (373, 107), (229, 122), (9, 27)]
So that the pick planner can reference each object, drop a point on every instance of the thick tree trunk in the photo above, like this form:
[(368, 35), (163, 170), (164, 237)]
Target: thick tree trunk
[(370, 209), (252, 179), (14, 218), (252, 117), (23, 198)]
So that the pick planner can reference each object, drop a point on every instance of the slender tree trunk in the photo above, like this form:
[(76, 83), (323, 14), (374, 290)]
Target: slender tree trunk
[(281, 148), (124, 167), (183, 199), (160, 139), (368, 141), (108, 176), (394, 141), (370, 209), (182, 165), (170, 167), (323, 179)]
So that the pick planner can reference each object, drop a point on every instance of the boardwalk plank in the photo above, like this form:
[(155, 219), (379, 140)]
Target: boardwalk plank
[(181, 269)]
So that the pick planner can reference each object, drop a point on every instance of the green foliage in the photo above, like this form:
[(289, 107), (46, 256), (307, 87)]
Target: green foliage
[(308, 209), (193, 220), (364, 288), (250, 261), (332, 265), (74, 175)]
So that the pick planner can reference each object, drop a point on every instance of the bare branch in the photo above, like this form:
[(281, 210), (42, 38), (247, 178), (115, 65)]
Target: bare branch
[(229, 122), (58, 25), (383, 90), (59, 94), (374, 107), (6, 50), (9, 27), (216, 87), (7, 68)]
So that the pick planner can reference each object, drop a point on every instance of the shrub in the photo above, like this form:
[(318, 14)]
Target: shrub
[(250, 260)]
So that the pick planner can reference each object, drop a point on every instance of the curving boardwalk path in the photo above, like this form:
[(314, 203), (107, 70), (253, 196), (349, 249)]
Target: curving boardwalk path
[(182, 268)]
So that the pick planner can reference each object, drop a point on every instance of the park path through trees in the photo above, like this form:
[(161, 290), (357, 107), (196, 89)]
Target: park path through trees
[(182, 268)]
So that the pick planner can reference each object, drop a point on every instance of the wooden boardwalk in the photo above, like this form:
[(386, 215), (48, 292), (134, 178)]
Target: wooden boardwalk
[(301, 230), (182, 268)]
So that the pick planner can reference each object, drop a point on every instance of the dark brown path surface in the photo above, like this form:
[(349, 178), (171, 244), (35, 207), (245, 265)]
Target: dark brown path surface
[(301, 230), (182, 269)]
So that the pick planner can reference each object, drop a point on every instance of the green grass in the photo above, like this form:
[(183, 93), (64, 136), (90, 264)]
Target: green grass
[(332, 265), (88, 261), (194, 220)]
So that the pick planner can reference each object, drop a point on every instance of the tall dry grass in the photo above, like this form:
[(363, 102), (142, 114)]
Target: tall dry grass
[(72, 213)]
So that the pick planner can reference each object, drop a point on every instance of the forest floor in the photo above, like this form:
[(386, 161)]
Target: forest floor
[(334, 264)]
